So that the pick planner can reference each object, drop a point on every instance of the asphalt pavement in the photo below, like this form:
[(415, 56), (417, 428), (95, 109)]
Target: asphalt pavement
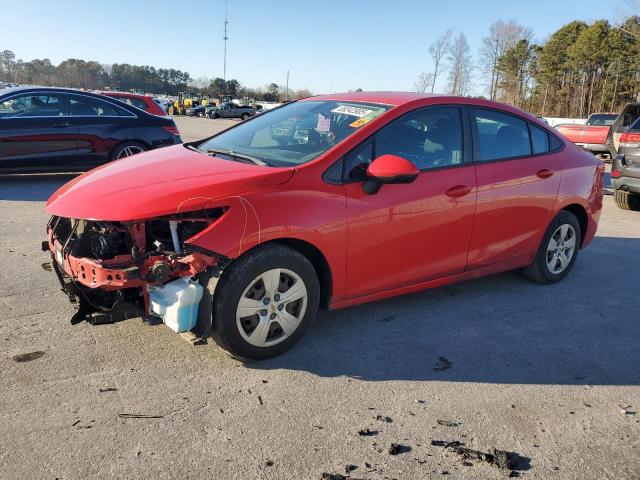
[(548, 373)]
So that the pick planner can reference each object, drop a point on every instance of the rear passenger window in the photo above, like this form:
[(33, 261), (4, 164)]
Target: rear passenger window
[(88, 106), (555, 143), (500, 135), (539, 139)]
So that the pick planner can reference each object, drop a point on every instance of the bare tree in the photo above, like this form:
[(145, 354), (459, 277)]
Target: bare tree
[(459, 56), (502, 36), (424, 81), (438, 51)]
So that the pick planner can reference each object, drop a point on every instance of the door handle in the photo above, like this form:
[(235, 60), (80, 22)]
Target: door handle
[(545, 173), (458, 191), (60, 125)]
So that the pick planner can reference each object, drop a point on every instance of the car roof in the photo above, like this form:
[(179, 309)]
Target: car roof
[(27, 89), (397, 99), (110, 93)]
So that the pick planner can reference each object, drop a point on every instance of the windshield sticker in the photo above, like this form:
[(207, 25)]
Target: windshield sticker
[(324, 123), (351, 110), (359, 122)]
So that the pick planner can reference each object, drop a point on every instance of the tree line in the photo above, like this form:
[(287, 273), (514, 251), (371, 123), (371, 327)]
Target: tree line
[(92, 75), (580, 69)]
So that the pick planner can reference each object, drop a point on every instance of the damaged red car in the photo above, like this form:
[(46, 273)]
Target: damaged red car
[(329, 201)]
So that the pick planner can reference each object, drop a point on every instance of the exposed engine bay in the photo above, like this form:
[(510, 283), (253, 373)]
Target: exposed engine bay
[(100, 264)]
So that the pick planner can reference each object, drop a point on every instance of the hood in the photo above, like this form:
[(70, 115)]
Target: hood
[(156, 183)]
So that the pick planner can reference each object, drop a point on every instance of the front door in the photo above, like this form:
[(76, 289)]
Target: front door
[(410, 233), (35, 132)]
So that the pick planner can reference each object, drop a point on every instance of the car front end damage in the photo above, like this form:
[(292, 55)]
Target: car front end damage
[(108, 268)]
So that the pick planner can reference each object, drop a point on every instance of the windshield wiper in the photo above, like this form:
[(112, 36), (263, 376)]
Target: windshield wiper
[(239, 156)]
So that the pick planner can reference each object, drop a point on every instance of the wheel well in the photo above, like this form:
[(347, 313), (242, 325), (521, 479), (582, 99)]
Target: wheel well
[(581, 215), (319, 263)]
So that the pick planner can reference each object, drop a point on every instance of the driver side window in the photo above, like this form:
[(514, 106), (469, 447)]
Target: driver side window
[(429, 137)]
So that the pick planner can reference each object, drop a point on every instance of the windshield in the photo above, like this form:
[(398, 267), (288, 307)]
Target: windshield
[(296, 133), (602, 120)]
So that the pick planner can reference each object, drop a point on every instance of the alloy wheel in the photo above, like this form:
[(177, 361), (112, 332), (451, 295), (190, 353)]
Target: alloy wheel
[(561, 248), (271, 307), (128, 151)]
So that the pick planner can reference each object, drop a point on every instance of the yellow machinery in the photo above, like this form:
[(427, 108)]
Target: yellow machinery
[(187, 100)]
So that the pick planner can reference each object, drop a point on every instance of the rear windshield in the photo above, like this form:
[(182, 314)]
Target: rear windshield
[(602, 120)]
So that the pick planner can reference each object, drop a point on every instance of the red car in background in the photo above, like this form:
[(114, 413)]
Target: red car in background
[(143, 102), (359, 197), (592, 136)]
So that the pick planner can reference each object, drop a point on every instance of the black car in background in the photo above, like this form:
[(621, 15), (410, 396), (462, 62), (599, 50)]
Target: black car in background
[(56, 129)]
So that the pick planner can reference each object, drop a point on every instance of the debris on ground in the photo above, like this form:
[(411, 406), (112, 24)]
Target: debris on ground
[(384, 419), (448, 423), (138, 415), (501, 459), (397, 449), (441, 364), (627, 410), (365, 432), (349, 468), (260, 400), (269, 463), (27, 357), (108, 389), (333, 476), (445, 444)]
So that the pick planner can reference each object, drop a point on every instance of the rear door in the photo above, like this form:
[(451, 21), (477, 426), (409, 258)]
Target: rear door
[(35, 132), (99, 123), (518, 179)]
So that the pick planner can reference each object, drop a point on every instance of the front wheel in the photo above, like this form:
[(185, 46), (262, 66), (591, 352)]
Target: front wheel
[(558, 250), (265, 301)]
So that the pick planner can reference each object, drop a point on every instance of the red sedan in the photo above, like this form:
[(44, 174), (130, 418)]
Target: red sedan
[(143, 102), (329, 202)]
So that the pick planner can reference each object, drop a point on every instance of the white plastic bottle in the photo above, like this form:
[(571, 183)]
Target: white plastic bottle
[(177, 303)]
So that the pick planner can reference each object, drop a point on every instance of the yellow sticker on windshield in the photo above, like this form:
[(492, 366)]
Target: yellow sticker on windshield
[(359, 122)]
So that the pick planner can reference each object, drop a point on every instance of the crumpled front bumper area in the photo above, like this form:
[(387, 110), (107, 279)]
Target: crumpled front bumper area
[(101, 265)]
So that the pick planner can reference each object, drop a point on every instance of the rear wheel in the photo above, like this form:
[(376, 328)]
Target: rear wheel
[(244, 116), (128, 149), (265, 302), (558, 250), (626, 200)]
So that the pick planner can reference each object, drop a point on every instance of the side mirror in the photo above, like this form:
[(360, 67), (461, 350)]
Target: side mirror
[(389, 169)]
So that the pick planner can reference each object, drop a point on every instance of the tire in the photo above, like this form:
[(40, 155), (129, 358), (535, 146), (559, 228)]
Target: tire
[(244, 116), (626, 200), (214, 116), (565, 231), (128, 149), (243, 280)]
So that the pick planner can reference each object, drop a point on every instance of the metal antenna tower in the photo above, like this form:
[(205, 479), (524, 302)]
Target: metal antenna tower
[(225, 38)]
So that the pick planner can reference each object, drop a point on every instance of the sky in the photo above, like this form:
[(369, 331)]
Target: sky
[(326, 45)]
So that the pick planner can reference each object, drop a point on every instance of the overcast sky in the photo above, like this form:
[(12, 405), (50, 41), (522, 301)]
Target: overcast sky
[(326, 45)]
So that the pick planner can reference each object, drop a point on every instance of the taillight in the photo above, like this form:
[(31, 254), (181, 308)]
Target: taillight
[(616, 173), (172, 129), (630, 137)]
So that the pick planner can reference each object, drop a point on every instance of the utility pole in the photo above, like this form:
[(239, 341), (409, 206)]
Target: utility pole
[(225, 38), (287, 94)]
